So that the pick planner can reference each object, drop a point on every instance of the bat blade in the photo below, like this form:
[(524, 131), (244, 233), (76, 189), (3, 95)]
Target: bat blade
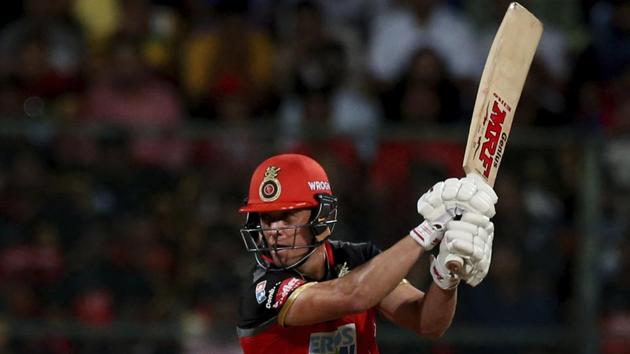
[(500, 88)]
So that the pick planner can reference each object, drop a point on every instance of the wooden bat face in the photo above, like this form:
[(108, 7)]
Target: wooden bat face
[(499, 91)]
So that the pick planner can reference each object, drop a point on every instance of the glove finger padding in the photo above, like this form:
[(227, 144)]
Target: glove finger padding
[(430, 205), (465, 244), (451, 187), (490, 228), (424, 208), (482, 270), (479, 245), (463, 226), (457, 196), (471, 239), (466, 190), (447, 199), (484, 198), (476, 219), (486, 189), (459, 238), (482, 203), (434, 197)]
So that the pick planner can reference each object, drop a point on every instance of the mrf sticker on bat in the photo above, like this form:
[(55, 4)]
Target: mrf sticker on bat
[(494, 137)]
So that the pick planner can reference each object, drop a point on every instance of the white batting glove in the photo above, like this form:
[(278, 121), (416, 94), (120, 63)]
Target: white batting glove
[(447, 199), (454, 196), (470, 239), (443, 277)]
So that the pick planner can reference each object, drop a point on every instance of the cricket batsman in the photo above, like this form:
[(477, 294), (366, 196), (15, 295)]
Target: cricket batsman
[(310, 294)]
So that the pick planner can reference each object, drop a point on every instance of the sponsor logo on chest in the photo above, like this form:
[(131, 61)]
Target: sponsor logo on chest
[(260, 291), (270, 296), (343, 340)]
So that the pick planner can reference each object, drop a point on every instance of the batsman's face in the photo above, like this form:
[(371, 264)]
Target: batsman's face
[(286, 232)]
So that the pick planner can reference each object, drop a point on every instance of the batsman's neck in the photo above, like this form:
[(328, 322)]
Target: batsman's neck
[(315, 265)]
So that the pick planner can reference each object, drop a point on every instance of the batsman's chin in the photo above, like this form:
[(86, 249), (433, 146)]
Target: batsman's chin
[(281, 257)]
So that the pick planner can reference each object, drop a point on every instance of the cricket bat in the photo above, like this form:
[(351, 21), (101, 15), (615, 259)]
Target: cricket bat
[(500, 88)]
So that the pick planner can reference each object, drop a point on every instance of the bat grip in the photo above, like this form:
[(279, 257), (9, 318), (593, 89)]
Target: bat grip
[(454, 263)]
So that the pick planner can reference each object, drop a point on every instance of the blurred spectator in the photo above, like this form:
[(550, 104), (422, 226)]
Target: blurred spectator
[(306, 26), (130, 96), (354, 13), (64, 48), (304, 40), (542, 101), (156, 24), (398, 33), (603, 61), (227, 70), (351, 15), (42, 89), (609, 50), (99, 19), (157, 30), (319, 93), (425, 94), (125, 224), (40, 61)]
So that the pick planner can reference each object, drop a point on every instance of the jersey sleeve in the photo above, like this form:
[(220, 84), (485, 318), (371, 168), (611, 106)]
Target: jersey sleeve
[(369, 250), (354, 254), (269, 298)]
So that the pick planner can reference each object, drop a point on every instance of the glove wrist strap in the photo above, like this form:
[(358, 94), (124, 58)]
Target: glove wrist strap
[(423, 234)]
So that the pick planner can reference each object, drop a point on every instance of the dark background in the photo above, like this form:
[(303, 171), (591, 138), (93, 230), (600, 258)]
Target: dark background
[(129, 130)]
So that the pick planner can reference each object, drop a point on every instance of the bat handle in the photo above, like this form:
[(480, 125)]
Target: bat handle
[(454, 263)]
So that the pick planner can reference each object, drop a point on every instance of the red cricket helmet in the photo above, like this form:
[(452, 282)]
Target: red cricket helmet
[(284, 182)]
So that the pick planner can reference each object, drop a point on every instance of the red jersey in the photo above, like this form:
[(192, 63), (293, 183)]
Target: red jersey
[(263, 299)]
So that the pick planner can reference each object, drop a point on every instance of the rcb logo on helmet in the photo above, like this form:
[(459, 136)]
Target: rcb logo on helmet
[(270, 187)]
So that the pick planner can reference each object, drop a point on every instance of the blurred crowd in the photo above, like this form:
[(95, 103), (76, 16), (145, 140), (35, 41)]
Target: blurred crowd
[(136, 222)]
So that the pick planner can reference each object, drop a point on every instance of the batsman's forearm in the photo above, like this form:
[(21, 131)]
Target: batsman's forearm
[(372, 281), (437, 311)]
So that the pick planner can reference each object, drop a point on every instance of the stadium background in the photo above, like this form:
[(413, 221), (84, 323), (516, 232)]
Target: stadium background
[(129, 130)]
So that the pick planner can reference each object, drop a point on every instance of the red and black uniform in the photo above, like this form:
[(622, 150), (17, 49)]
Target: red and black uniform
[(268, 297)]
